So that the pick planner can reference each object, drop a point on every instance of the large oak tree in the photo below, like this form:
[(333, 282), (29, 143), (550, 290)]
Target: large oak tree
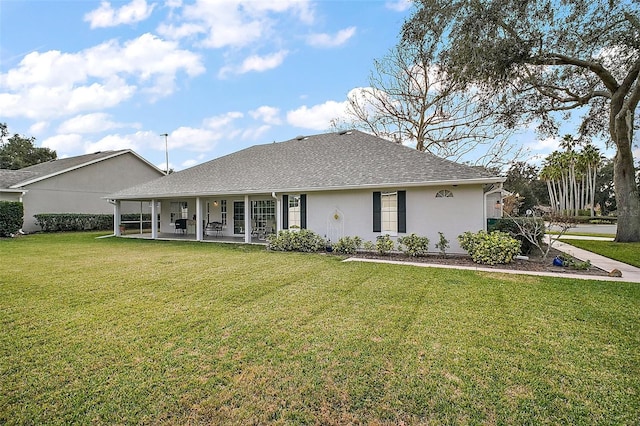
[(548, 58), (18, 152)]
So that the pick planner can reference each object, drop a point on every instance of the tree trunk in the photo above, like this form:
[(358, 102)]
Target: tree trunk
[(627, 197)]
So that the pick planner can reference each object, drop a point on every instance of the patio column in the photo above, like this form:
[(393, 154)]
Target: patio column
[(116, 218), (154, 219), (247, 219), (278, 212), (198, 219)]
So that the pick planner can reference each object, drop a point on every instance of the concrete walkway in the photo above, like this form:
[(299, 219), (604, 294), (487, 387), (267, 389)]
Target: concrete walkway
[(629, 273)]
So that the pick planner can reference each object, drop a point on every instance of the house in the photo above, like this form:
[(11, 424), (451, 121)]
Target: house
[(335, 184), (75, 184)]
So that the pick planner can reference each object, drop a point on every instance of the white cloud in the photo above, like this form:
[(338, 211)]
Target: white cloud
[(326, 40), (255, 133), (106, 16), (318, 117), (189, 163), (91, 123), (68, 143), (218, 122), (235, 23), (548, 144), (398, 5), (54, 84), (39, 127), (194, 139), (255, 63), (267, 114)]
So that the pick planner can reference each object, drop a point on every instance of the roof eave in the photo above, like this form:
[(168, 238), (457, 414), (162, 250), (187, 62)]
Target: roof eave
[(451, 182)]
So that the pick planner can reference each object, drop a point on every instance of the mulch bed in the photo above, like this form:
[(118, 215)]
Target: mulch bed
[(535, 263)]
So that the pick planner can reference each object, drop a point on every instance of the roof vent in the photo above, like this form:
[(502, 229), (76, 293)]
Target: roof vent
[(300, 137), (345, 132)]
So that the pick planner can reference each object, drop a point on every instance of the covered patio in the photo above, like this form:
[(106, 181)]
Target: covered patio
[(221, 218)]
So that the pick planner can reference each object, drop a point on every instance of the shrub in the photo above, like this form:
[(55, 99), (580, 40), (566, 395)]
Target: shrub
[(442, 244), (384, 244), (413, 245), (11, 217), (347, 245), (368, 246), (490, 249), (303, 240), (532, 226), (55, 222)]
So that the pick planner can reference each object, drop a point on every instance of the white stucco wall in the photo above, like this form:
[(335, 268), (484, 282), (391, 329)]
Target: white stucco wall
[(426, 214), (81, 190), (334, 214)]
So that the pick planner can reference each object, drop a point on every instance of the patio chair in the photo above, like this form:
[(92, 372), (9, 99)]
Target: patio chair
[(213, 228)]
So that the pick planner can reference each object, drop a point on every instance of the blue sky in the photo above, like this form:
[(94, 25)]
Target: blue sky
[(84, 76)]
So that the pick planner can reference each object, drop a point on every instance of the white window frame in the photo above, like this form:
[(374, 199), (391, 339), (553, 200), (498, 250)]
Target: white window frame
[(389, 213)]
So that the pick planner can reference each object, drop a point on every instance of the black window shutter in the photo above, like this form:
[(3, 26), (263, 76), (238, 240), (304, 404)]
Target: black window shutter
[(285, 212), (402, 211), (303, 211), (377, 211)]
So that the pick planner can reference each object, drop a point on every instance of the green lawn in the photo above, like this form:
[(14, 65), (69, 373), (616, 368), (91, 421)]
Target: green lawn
[(624, 252), (123, 331)]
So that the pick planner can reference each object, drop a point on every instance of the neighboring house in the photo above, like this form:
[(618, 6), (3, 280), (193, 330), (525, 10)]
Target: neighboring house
[(336, 184), (75, 184)]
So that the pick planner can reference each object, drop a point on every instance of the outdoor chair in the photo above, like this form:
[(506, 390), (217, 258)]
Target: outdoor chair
[(213, 228)]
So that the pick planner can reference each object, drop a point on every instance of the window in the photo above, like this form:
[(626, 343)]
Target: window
[(390, 212), (444, 193), (294, 211), (223, 212), (264, 215), (179, 211)]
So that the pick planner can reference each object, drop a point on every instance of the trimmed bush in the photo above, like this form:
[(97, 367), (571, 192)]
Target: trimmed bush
[(413, 245), (303, 240), (11, 217), (490, 249), (529, 224), (347, 245), (57, 222), (384, 244)]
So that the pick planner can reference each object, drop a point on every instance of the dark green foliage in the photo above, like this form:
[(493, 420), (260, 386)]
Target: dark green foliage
[(19, 152), (303, 240), (522, 179), (11, 217), (413, 245), (347, 245), (56, 222), (510, 226), (490, 249), (384, 244)]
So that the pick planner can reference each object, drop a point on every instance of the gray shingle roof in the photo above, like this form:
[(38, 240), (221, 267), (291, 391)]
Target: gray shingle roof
[(16, 178), (326, 161), (9, 178)]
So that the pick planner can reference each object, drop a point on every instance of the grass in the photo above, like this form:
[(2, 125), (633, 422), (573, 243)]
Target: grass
[(624, 252), (126, 332)]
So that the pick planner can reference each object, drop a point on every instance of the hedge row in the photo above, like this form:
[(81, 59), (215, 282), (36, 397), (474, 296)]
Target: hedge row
[(11, 217), (60, 222), (56, 222)]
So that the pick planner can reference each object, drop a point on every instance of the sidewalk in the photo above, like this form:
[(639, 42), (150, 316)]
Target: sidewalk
[(629, 273)]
